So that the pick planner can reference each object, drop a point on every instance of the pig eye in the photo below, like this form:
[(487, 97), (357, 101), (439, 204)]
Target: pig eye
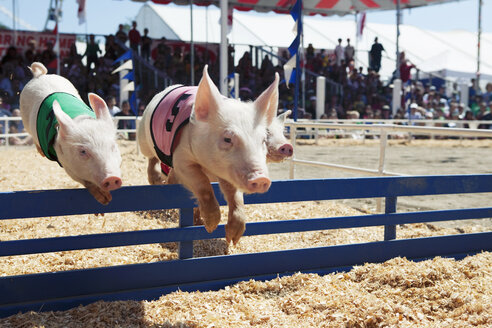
[(83, 153), (228, 140)]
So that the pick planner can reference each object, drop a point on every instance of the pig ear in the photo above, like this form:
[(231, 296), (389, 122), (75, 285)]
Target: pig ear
[(267, 102), (207, 98), (282, 117), (65, 123), (99, 106)]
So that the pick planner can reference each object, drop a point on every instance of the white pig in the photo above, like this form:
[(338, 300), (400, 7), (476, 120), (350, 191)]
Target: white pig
[(279, 148), (224, 139), (66, 130)]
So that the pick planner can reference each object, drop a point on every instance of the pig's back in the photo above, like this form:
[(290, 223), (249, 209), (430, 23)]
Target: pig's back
[(33, 94), (144, 134)]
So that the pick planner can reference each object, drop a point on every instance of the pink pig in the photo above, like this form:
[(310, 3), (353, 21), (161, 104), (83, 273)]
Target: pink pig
[(225, 139), (66, 130), (277, 145), (278, 149)]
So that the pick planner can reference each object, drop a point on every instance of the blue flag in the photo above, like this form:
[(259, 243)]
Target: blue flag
[(129, 76), (127, 55)]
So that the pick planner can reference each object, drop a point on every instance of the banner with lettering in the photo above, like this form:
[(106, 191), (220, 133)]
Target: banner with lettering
[(23, 38)]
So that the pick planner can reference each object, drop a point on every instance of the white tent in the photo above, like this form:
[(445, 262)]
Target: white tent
[(451, 53)]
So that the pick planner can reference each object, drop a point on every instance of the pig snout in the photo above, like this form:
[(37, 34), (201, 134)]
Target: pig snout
[(111, 183), (286, 150), (258, 184)]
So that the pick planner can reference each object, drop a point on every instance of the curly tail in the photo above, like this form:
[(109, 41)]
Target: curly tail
[(38, 69)]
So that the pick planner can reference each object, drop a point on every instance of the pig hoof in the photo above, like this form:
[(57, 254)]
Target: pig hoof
[(234, 231), (212, 221), (156, 179), (103, 197)]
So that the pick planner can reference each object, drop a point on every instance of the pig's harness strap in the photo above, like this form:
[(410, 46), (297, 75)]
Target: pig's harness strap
[(46, 125)]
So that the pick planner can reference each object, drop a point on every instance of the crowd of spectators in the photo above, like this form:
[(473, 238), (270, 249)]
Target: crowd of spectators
[(361, 95)]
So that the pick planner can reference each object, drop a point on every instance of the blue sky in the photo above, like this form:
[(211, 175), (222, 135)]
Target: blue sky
[(103, 16)]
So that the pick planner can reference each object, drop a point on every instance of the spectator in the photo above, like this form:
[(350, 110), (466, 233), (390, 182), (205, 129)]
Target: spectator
[(375, 55), (349, 52), (112, 50), (91, 52), (386, 112), (126, 124), (339, 53), (141, 109), (6, 73), (48, 55), (405, 68), (483, 114), (487, 117), (30, 53), (487, 96), (310, 52), (415, 112), (146, 44), (468, 117), (111, 102), (11, 56), (134, 37), (121, 34)]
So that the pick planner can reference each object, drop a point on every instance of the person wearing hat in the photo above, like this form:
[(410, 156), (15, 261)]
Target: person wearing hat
[(429, 95), (415, 113), (386, 112)]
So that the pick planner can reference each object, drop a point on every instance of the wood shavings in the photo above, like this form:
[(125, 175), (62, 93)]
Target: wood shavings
[(397, 293)]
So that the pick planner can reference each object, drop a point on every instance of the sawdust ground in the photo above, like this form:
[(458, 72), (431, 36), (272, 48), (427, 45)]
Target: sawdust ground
[(21, 167)]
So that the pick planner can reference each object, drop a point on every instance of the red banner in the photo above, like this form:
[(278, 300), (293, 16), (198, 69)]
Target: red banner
[(42, 38)]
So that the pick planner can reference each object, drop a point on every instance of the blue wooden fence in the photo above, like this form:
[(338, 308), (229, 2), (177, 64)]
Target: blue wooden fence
[(63, 290)]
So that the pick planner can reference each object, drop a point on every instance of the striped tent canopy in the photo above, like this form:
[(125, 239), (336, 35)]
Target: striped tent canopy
[(312, 7)]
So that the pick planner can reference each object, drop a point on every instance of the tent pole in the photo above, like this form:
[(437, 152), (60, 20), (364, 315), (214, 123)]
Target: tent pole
[(192, 47), (478, 44), (356, 40), (14, 27), (303, 76), (57, 13), (223, 47), (298, 71), (398, 13)]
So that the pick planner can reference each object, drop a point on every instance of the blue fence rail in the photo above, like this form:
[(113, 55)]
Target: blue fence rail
[(66, 289)]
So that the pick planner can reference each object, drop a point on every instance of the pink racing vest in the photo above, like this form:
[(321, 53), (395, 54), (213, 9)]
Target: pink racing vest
[(171, 114)]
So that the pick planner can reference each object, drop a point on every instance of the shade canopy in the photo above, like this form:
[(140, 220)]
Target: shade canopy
[(312, 7)]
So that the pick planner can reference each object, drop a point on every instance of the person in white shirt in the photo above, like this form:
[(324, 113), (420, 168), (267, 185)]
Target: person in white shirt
[(111, 102), (339, 52)]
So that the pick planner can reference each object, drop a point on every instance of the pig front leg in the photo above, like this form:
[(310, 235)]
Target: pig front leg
[(154, 174), (102, 196), (193, 178), (171, 179), (40, 151), (236, 219)]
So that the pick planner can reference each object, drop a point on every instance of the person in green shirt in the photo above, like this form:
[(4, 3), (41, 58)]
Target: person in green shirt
[(91, 52)]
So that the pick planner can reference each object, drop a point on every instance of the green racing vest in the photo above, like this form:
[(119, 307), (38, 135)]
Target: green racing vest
[(47, 122)]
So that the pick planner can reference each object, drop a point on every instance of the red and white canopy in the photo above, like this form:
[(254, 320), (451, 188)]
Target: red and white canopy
[(312, 7)]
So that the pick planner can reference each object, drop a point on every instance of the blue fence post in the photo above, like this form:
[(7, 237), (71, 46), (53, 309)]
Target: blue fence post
[(390, 207), (185, 220)]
